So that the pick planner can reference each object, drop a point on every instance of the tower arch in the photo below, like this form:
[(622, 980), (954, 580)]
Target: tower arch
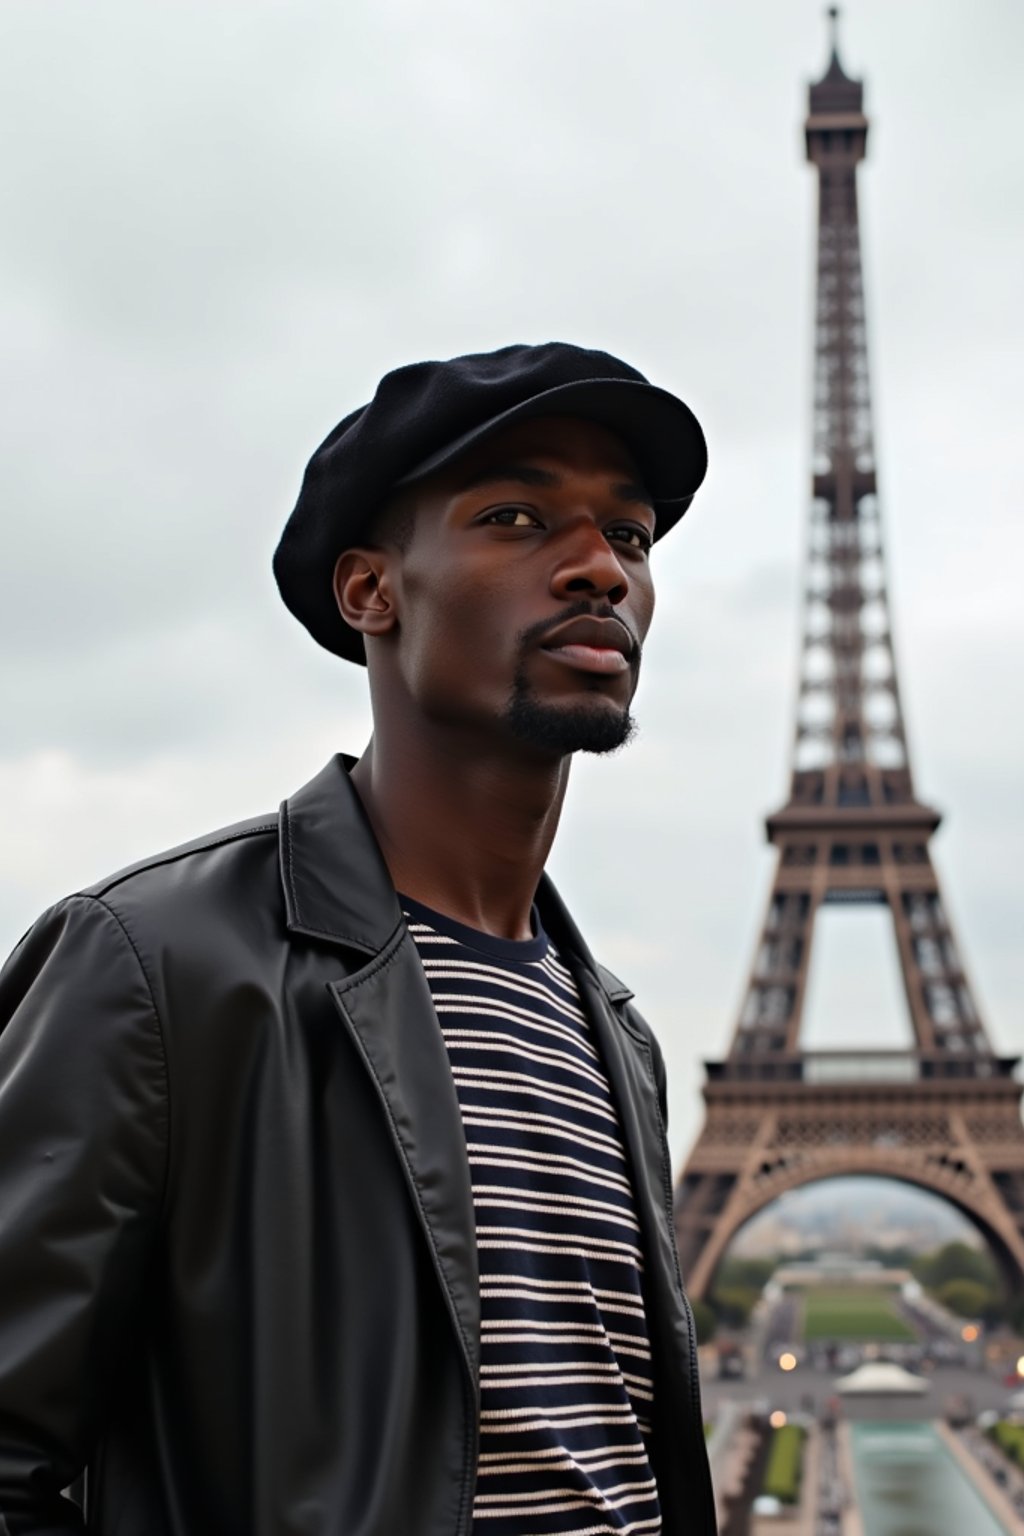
[(999, 1241)]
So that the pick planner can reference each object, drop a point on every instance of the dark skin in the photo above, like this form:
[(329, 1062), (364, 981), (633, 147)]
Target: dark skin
[(528, 558)]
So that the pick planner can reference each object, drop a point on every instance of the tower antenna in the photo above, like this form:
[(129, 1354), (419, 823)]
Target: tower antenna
[(833, 28)]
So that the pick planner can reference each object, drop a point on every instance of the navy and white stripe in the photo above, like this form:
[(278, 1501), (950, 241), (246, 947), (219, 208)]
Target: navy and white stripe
[(566, 1383)]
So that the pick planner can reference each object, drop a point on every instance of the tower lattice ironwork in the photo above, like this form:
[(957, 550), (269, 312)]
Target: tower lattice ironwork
[(944, 1115)]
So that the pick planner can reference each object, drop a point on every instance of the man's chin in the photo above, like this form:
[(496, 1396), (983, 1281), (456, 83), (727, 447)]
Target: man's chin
[(565, 728)]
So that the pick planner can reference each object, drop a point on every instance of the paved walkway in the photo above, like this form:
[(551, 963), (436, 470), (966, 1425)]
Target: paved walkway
[(728, 1454), (852, 1524), (998, 1481)]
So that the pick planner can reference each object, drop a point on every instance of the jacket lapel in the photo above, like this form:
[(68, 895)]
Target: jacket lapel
[(630, 1068), (337, 890), (680, 1460), (389, 1013), (629, 1063)]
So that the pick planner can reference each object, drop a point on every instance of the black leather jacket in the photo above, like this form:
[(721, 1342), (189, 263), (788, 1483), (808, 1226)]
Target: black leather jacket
[(238, 1277)]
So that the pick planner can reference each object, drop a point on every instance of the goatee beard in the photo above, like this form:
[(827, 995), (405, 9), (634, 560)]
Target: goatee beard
[(567, 728)]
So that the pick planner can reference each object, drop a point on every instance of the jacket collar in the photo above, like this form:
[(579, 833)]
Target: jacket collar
[(337, 886), (336, 883)]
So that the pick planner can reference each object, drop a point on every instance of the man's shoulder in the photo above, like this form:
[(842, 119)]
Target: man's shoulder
[(185, 910), (183, 905), (184, 900), (189, 862)]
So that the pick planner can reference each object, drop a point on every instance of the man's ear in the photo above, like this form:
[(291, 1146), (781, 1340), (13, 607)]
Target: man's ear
[(364, 592)]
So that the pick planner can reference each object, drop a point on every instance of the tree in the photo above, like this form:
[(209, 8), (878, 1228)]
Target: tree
[(733, 1304), (751, 1273), (967, 1298), (704, 1321), (900, 1257), (955, 1261)]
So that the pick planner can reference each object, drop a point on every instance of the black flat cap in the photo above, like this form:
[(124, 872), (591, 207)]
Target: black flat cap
[(424, 415)]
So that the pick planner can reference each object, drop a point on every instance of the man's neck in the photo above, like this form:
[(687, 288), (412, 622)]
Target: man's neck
[(465, 835)]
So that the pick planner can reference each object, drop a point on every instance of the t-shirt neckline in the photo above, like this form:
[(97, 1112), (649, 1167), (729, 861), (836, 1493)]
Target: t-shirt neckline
[(524, 950)]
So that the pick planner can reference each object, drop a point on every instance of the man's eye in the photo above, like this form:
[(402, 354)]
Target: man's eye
[(513, 517), (636, 538)]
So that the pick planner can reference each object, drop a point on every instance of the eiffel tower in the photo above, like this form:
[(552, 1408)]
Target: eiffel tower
[(944, 1115)]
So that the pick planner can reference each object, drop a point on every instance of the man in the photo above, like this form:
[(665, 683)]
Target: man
[(334, 1191)]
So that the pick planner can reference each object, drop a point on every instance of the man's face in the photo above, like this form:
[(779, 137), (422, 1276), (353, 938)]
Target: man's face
[(524, 592)]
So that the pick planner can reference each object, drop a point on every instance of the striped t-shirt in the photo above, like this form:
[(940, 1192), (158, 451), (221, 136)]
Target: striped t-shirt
[(565, 1367)]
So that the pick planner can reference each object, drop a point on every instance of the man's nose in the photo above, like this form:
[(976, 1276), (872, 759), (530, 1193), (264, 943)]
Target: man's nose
[(588, 565)]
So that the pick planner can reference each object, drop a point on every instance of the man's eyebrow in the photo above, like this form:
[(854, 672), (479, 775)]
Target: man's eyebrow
[(530, 474), (632, 490), (521, 474)]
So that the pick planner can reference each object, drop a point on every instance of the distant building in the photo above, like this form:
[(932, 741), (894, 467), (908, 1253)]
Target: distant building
[(838, 1269)]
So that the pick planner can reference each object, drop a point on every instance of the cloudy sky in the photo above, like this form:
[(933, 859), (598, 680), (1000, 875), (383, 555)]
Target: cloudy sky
[(221, 222)]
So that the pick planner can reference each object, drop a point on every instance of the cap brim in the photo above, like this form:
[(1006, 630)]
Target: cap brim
[(660, 431)]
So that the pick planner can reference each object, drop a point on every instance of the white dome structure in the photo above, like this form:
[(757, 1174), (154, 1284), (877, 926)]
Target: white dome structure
[(882, 1377)]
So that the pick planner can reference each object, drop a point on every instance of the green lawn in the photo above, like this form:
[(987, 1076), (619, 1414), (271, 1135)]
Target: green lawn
[(866, 1315), (785, 1463), (1010, 1439)]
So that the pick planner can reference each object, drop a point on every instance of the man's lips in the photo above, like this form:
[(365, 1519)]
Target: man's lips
[(591, 645), (589, 658)]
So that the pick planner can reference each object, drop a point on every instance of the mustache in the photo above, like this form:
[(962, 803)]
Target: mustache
[(534, 634)]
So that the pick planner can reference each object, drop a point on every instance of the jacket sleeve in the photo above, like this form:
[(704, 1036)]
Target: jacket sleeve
[(83, 1133)]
